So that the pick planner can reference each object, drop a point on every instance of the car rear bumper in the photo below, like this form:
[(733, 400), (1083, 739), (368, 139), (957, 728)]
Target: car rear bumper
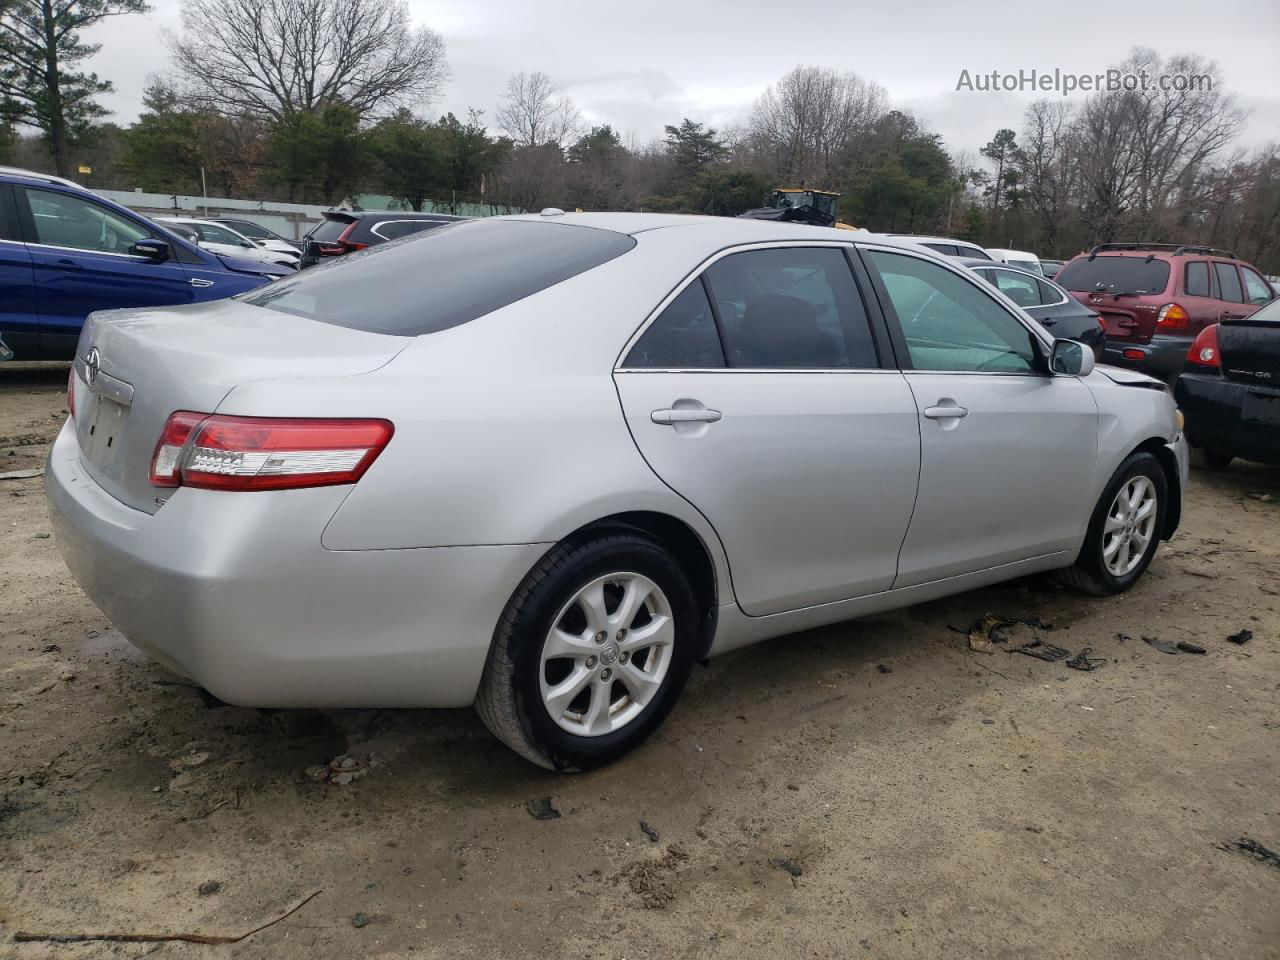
[(235, 591), (1163, 357), (1214, 408)]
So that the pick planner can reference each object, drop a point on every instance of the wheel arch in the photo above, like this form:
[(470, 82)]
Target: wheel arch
[(685, 544), (1159, 448)]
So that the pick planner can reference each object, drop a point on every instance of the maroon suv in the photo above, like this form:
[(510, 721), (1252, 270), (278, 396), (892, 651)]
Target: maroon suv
[(1156, 297)]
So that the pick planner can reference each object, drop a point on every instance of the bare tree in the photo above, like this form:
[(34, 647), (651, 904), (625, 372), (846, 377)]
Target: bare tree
[(274, 58), (807, 121), (1046, 170), (534, 112)]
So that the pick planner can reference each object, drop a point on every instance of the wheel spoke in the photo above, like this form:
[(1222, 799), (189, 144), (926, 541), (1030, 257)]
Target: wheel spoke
[(1112, 546), (633, 597), (1145, 510), (1122, 558), (596, 719), (591, 600), (639, 684), (658, 632), (562, 643), (1113, 524), (561, 695)]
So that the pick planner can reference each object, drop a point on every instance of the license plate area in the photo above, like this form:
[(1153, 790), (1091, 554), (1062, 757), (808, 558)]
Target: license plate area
[(1261, 408), (101, 429)]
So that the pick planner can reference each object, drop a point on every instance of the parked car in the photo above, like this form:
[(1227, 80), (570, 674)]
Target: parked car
[(1155, 298), (946, 245), (1052, 307), (547, 463), (1017, 258), (221, 239), (345, 231), (65, 252), (1230, 390), (1051, 267), (259, 234)]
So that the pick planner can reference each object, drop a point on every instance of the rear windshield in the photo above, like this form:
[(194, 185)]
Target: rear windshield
[(328, 229), (443, 278), (1115, 275)]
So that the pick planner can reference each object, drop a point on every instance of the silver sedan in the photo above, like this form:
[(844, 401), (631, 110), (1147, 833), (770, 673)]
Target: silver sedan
[(544, 464)]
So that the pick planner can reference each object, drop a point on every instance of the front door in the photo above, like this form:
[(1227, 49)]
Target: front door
[(19, 326), (1007, 451), (758, 395), (80, 255)]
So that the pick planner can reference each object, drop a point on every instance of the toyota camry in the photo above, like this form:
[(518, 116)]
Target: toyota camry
[(544, 464)]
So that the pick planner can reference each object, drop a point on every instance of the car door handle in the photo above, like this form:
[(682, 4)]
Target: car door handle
[(1048, 322), (66, 265), (201, 282), (949, 412), (670, 417)]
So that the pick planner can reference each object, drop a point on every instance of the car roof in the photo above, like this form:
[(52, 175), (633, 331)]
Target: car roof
[(722, 230), (33, 175), (924, 238), (390, 215), (998, 265), (1020, 254)]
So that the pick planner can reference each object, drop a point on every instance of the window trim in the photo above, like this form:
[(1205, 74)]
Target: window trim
[(1007, 268), (1210, 276), (879, 337), (1037, 332), (1239, 280)]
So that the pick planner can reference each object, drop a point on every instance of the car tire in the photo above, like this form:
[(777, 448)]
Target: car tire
[(519, 698), (1098, 569), (1202, 458)]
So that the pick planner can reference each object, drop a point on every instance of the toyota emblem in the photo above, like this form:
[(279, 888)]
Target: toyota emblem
[(92, 364)]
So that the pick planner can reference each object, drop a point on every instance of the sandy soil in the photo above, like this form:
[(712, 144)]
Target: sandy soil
[(871, 789)]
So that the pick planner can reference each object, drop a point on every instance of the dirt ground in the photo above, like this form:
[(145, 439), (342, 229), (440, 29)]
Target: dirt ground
[(871, 789)]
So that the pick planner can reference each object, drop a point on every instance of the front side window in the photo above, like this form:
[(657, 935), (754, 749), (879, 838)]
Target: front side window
[(1018, 287), (684, 336), (63, 220), (1256, 289), (212, 233), (395, 229), (948, 322), (791, 308), (1196, 281), (1228, 282), (251, 230)]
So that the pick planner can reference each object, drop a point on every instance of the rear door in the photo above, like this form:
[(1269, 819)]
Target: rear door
[(1230, 291), (1007, 451), (19, 325), (80, 255), (1198, 295), (758, 394)]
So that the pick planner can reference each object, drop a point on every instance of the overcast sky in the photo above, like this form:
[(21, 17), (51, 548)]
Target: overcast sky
[(641, 65)]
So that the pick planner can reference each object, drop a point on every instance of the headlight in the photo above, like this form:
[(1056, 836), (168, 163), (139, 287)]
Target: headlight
[(1181, 420)]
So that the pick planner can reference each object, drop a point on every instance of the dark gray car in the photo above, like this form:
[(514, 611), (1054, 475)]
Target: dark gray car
[(1057, 311)]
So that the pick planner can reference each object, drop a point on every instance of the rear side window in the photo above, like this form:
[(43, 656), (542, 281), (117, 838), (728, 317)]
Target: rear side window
[(1049, 294), (251, 230), (791, 308), (1018, 287), (949, 249), (395, 229), (328, 229), (447, 277), (973, 252), (1197, 279), (683, 337), (1132, 275), (1228, 282)]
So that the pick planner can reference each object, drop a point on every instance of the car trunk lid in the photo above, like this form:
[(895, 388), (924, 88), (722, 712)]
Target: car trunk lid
[(134, 368), (1250, 351)]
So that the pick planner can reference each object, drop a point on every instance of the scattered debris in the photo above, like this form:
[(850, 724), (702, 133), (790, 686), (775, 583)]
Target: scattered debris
[(360, 920), (1253, 849), (317, 774), (21, 937), (1261, 497), (883, 668), (346, 770), (540, 808), (22, 474), (1037, 648), (1082, 661), (787, 864), (650, 879), (991, 629), (209, 888), (1241, 638), (1161, 645), (189, 760), (649, 832), (1186, 646)]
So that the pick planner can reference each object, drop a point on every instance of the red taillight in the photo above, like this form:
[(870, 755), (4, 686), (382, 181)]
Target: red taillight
[(1204, 351), (336, 248), (261, 453), (71, 392), (1132, 354), (1172, 318)]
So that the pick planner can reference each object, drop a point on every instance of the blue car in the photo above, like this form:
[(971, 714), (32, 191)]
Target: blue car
[(66, 252)]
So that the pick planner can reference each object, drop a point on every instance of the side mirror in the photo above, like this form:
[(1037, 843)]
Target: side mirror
[(1071, 359), (151, 249)]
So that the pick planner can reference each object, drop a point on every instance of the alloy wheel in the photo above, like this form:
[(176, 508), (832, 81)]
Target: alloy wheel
[(607, 654), (1130, 526)]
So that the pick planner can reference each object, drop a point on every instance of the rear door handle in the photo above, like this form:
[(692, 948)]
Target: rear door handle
[(66, 265), (1048, 322), (950, 412), (670, 417)]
